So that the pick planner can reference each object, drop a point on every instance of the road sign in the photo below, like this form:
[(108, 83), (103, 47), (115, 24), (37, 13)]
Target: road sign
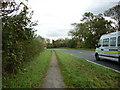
[(78, 43), (44, 41)]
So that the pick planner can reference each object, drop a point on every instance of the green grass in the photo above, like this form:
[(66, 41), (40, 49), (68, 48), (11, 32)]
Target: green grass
[(32, 74), (86, 49), (78, 73), (76, 48)]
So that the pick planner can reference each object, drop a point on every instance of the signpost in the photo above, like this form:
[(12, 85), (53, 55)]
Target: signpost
[(45, 44), (78, 44)]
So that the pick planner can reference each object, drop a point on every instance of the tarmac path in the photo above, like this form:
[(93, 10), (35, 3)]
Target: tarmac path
[(53, 77)]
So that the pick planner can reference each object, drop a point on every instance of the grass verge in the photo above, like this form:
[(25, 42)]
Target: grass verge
[(78, 73), (87, 49), (32, 75)]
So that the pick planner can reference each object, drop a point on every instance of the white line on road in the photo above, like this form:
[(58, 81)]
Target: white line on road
[(80, 52), (99, 64), (103, 66)]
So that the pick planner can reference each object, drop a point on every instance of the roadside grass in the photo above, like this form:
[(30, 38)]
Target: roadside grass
[(76, 49), (78, 73), (32, 75), (88, 49)]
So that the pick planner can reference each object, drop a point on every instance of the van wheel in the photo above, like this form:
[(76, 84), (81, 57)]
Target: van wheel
[(97, 57)]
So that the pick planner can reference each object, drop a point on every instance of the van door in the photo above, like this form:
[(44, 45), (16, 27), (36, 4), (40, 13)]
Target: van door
[(105, 47), (113, 47)]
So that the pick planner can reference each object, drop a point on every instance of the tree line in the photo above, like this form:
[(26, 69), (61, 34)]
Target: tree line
[(91, 27)]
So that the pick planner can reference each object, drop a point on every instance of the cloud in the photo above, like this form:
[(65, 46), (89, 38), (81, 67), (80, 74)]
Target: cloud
[(57, 33), (56, 16), (100, 7)]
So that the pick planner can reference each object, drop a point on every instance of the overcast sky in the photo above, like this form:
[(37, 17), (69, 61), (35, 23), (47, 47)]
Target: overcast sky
[(56, 16)]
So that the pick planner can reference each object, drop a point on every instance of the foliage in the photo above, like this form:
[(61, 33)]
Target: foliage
[(72, 43), (114, 13), (32, 74), (19, 43), (50, 45), (11, 7), (39, 38), (62, 43), (78, 73), (88, 32), (91, 28)]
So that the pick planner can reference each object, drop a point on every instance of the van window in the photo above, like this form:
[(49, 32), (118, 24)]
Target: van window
[(106, 42), (113, 41), (119, 41), (100, 43)]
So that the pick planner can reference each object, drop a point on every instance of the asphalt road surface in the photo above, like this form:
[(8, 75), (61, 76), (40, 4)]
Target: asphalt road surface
[(89, 55)]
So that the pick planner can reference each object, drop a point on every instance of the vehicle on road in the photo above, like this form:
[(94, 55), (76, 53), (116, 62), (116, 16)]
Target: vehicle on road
[(108, 47)]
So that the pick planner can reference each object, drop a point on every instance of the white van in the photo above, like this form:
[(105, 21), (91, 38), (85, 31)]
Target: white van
[(108, 47)]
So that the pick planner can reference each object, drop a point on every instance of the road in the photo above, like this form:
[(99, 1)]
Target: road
[(89, 55)]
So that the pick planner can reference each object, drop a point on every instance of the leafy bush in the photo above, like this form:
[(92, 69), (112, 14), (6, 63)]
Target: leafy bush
[(19, 41)]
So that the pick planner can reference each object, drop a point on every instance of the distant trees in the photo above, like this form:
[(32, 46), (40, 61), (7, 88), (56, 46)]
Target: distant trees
[(90, 29), (59, 43), (86, 33), (93, 26)]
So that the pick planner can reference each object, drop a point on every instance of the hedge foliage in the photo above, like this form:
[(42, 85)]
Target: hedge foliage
[(19, 41)]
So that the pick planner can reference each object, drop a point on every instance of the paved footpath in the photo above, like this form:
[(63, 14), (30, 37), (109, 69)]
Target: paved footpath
[(53, 77)]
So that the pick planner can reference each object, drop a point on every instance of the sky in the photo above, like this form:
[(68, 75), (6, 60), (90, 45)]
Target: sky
[(56, 16)]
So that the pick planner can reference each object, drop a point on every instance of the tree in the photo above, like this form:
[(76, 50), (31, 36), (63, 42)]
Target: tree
[(11, 7), (18, 33), (114, 13), (39, 38), (48, 41), (91, 28)]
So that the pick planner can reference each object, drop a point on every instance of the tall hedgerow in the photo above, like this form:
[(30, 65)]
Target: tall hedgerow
[(18, 33)]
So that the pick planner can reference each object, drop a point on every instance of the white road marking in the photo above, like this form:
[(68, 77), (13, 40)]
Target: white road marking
[(103, 66), (100, 65), (80, 52)]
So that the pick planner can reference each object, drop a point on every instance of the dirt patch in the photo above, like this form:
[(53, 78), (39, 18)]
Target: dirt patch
[(53, 77)]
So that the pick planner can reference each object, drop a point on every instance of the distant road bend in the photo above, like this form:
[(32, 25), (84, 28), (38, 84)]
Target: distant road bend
[(89, 55)]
